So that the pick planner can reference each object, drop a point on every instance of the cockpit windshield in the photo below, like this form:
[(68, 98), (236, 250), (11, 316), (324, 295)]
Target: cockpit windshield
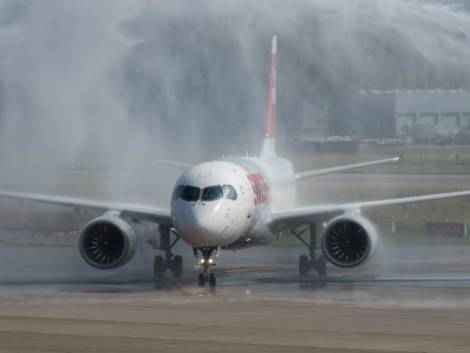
[(177, 192), (190, 193), (212, 193), (230, 192)]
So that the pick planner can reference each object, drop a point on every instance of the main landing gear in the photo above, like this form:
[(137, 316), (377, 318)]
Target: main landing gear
[(169, 261), (310, 261), (205, 262)]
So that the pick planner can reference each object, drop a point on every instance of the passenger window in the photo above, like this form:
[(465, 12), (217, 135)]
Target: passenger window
[(190, 193), (177, 192), (212, 193), (230, 192)]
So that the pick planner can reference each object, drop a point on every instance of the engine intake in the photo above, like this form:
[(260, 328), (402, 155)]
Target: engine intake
[(348, 241), (107, 242)]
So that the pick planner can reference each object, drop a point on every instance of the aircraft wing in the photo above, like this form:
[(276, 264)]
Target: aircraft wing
[(318, 172), (150, 213), (286, 219)]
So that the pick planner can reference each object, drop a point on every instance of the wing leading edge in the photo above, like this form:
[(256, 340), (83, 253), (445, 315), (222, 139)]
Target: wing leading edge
[(285, 219), (318, 172), (149, 213)]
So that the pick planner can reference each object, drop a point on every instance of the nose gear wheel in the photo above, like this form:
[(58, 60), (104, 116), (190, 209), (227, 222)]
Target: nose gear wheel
[(206, 262)]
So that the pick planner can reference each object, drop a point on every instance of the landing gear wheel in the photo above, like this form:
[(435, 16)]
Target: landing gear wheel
[(177, 266), (201, 280), (304, 265), (212, 280), (320, 266), (205, 263), (310, 261), (158, 267)]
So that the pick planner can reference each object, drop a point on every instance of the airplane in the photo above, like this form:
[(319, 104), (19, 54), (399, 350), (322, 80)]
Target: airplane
[(231, 204)]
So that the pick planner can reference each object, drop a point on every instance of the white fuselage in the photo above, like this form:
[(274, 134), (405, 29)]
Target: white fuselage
[(228, 203)]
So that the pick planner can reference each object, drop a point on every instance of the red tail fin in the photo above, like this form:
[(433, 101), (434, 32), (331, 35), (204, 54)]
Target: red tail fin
[(271, 113), (270, 132)]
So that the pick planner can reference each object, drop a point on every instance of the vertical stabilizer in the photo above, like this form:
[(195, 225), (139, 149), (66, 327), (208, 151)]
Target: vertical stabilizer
[(269, 144)]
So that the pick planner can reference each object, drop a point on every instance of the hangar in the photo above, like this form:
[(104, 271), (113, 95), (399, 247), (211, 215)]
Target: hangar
[(389, 114)]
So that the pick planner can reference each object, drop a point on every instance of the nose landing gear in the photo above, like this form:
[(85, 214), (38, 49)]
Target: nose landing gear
[(206, 262)]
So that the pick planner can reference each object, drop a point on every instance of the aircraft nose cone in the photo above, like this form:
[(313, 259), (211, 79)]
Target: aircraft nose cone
[(200, 225)]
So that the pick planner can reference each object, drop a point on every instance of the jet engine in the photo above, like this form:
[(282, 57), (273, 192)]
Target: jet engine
[(107, 242), (349, 240)]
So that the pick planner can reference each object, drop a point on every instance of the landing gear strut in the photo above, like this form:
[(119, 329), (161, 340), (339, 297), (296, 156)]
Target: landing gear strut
[(310, 261), (205, 262), (169, 261)]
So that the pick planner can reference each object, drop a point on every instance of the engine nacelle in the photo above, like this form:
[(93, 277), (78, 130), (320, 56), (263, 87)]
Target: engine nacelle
[(107, 242), (348, 240)]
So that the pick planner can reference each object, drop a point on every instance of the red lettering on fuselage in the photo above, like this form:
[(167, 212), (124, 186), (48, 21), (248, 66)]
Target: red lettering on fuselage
[(260, 189)]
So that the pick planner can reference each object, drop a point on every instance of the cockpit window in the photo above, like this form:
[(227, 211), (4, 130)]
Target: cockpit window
[(230, 192), (177, 192), (212, 193), (190, 193)]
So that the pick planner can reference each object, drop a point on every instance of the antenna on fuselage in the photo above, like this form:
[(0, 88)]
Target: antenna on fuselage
[(269, 143)]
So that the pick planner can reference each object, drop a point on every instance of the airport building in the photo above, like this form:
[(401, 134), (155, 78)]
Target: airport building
[(397, 113)]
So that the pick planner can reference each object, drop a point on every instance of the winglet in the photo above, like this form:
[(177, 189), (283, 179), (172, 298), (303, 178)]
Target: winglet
[(269, 149)]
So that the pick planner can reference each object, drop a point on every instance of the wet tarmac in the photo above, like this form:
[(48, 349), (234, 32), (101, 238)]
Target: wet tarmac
[(265, 272), (414, 299)]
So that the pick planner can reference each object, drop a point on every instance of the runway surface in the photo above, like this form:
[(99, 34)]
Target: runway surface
[(404, 300)]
